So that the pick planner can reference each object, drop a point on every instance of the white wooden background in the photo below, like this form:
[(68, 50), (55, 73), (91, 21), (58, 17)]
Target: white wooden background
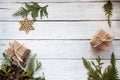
[(64, 38)]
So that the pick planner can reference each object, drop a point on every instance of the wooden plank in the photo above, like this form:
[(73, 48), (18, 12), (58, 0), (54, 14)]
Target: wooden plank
[(58, 30), (63, 11), (46, 1), (64, 49), (66, 69)]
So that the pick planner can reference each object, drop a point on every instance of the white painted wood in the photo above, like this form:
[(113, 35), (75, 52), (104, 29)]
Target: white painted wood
[(51, 0), (58, 30), (64, 11), (67, 69), (61, 49), (54, 43)]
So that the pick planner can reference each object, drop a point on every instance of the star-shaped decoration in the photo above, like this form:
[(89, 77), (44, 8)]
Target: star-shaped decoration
[(26, 25)]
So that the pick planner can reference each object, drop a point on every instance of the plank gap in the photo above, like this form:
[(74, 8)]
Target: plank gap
[(64, 2), (62, 20), (56, 39)]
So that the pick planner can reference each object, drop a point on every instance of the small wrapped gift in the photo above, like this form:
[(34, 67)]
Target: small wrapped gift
[(102, 40), (17, 51)]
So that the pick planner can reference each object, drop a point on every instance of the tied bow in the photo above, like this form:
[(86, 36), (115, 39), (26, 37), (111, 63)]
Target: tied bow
[(106, 38)]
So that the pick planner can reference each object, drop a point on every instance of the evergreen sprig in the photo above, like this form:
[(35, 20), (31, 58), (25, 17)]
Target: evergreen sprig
[(95, 70), (111, 72), (32, 8), (7, 59), (10, 71), (108, 7), (31, 64)]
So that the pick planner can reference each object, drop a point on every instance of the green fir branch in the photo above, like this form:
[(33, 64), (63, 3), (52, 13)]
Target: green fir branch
[(108, 7), (7, 59), (111, 72), (4, 69), (31, 68), (11, 71), (38, 65), (32, 8), (95, 70), (31, 64)]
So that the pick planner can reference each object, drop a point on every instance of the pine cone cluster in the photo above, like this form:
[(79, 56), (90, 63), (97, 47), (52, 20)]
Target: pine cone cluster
[(13, 73), (10, 74)]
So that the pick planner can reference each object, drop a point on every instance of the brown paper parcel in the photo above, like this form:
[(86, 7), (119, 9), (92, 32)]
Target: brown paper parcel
[(102, 40), (17, 51)]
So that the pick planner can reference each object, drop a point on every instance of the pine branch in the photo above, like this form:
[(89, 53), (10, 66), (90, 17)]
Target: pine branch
[(7, 59), (114, 70), (25, 73), (13, 72), (108, 7), (38, 65), (95, 71), (111, 72), (31, 65), (92, 73), (3, 67), (32, 8)]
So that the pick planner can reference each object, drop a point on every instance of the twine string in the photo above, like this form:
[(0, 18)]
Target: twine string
[(102, 40)]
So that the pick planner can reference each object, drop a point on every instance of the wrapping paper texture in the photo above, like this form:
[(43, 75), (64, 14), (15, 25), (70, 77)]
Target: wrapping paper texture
[(16, 49), (102, 39)]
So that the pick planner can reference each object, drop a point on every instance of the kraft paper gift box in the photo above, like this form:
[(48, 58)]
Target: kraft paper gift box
[(17, 51), (102, 39)]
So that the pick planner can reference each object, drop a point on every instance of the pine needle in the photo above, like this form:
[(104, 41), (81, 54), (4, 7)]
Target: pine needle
[(38, 65), (3, 67), (92, 73), (7, 59), (13, 72), (111, 72), (32, 8), (95, 70), (31, 64), (108, 7)]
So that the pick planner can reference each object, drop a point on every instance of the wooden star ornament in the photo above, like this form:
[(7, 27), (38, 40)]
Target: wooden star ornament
[(26, 25)]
